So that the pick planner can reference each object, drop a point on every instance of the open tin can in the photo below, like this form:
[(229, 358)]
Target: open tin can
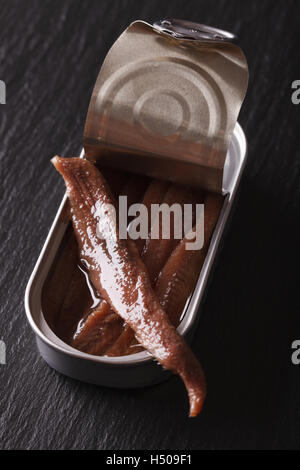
[(224, 170)]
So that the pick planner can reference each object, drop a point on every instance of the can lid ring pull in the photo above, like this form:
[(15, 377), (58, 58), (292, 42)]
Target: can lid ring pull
[(183, 29)]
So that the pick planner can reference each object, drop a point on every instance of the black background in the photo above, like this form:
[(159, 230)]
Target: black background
[(50, 54)]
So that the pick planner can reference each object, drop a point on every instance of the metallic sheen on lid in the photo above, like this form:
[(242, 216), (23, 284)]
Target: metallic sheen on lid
[(166, 102)]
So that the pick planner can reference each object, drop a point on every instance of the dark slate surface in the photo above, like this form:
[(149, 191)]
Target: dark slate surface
[(50, 53)]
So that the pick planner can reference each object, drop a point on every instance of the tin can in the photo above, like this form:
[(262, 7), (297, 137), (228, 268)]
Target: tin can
[(139, 369)]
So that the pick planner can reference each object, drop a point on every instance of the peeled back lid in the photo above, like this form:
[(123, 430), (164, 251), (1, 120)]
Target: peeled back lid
[(166, 102)]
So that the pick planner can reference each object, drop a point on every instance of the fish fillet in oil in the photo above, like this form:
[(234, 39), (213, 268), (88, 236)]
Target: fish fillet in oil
[(180, 273), (119, 275)]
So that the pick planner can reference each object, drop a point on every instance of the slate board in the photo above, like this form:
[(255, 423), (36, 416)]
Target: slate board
[(50, 54)]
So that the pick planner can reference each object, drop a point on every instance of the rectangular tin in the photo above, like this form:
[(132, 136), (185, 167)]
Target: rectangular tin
[(139, 369)]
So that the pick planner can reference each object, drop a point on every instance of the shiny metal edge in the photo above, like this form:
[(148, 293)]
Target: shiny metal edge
[(35, 282)]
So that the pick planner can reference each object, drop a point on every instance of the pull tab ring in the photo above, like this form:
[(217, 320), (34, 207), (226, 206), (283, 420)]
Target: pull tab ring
[(182, 29)]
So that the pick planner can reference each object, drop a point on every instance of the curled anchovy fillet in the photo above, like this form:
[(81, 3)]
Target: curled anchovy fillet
[(125, 344), (179, 275), (154, 195), (118, 274), (101, 331), (102, 323), (156, 251)]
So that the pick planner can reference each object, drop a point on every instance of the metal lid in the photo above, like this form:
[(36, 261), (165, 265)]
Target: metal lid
[(166, 101)]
